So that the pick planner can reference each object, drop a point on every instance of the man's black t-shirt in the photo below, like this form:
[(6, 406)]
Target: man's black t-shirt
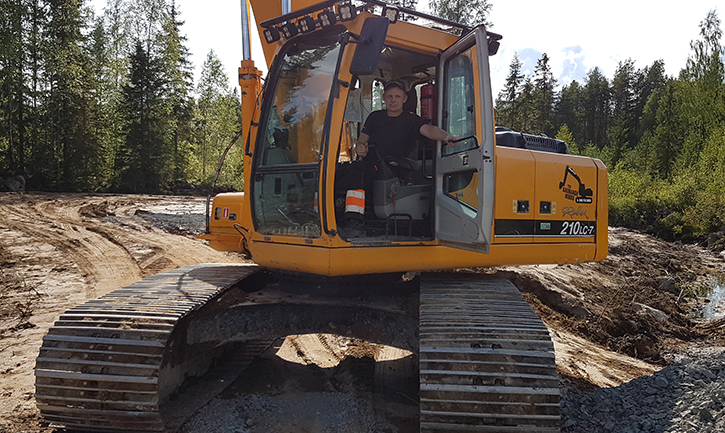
[(392, 136)]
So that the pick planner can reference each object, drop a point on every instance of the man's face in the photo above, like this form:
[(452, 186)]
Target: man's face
[(394, 99)]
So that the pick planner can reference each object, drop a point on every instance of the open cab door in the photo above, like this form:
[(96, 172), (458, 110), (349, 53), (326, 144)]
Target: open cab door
[(465, 173)]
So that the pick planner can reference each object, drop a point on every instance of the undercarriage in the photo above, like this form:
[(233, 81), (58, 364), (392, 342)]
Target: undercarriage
[(124, 362)]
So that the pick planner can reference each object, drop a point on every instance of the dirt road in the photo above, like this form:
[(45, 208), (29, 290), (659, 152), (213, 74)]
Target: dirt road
[(611, 322)]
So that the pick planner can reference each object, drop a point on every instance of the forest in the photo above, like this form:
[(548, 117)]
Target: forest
[(662, 138), (108, 103)]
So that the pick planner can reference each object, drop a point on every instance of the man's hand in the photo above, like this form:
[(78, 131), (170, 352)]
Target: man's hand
[(361, 145), (451, 140), (361, 149)]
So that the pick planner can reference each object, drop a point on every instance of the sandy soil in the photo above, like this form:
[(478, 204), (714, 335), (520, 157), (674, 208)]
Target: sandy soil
[(611, 322), (59, 250)]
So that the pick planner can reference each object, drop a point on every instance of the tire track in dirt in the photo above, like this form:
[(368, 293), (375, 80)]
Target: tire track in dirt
[(70, 256), (102, 264)]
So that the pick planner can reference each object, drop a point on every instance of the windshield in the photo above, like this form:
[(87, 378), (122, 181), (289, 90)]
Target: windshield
[(286, 176), (296, 119)]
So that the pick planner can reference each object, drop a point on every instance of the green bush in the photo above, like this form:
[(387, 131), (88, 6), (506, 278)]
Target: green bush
[(690, 204)]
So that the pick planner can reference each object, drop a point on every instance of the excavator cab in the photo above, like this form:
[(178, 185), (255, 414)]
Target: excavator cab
[(321, 86), (436, 207)]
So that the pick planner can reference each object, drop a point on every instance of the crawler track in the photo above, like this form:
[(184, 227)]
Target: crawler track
[(108, 364), (112, 364), (486, 360)]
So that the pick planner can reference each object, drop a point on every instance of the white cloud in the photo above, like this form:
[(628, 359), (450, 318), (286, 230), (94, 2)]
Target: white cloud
[(528, 57), (572, 67)]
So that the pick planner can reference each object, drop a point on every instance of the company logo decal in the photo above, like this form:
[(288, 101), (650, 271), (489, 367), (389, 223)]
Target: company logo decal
[(580, 195)]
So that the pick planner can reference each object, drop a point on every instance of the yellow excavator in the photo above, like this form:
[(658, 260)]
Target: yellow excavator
[(498, 197)]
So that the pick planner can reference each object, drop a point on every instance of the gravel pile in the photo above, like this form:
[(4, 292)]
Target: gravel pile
[(686, 397)]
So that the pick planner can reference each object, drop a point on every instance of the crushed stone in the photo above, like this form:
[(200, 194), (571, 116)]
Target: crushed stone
[(685, 397)]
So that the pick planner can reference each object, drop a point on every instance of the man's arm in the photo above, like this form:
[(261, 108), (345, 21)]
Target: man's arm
[(361, 145), (435, 133)]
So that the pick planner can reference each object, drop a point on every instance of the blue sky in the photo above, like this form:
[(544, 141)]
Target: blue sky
[(576, 35)]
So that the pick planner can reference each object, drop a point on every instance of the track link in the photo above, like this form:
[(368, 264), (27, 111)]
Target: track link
[(108, 364), (486, 360)]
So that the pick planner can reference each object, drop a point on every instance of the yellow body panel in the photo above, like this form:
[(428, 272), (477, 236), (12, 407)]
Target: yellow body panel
[(515, 177), (384, 259), (530, 187)]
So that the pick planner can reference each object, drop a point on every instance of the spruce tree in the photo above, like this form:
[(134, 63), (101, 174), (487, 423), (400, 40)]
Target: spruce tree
[(179, 81), (12, 89), (70, 105), (570, 110), (543, 97), (144, 154), (506, 103), (597, 100)]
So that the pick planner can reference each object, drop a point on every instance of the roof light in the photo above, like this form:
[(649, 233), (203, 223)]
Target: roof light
[(391, 13), (347, 12), (307, 24), (327, 18), (290, 30), (272, 35)]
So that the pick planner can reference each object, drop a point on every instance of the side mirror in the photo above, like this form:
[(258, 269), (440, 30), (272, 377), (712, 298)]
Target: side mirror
[(369, 46)]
